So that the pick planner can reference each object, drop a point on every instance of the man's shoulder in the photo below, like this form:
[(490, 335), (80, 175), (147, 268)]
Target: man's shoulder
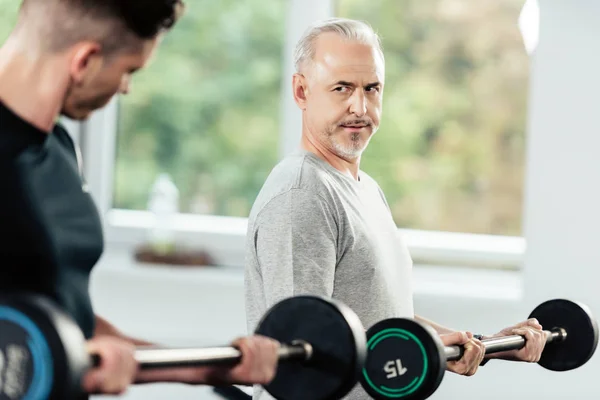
[(297, 172)]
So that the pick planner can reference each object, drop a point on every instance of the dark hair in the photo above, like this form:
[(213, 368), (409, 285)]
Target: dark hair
[(145, 18), (121, 19)]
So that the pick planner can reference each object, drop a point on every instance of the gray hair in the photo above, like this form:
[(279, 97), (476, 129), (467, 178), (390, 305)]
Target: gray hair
[(349, 29)]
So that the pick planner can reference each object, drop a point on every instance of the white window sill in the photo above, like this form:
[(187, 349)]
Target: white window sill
[(224, 238), (429, 281)]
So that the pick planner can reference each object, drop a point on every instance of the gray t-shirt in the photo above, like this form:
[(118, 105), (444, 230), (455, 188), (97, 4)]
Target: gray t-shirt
[(314, 230)]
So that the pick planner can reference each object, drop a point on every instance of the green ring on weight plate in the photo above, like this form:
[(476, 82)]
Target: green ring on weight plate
[(416, 383)]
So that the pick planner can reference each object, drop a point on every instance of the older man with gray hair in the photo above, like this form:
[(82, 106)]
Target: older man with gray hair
[(322, 226)]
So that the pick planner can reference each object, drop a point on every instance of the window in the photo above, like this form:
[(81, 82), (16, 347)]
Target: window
[(450, 151), (211, 111), (206, 110)]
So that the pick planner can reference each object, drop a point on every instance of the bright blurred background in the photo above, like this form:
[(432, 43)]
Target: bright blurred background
[(486, 153)]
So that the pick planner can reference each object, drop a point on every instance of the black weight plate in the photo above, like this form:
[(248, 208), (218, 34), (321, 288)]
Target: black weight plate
[(582, 334), (405, 360), (338, 340), (47, 349), (26, 369)]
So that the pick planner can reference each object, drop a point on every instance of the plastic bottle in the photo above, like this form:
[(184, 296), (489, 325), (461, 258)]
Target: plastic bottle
[(164, 205)]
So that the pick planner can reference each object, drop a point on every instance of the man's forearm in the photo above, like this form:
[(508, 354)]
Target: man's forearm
[(197, 376)]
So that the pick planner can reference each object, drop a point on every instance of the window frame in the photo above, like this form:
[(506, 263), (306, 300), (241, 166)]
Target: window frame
[(223, 237)]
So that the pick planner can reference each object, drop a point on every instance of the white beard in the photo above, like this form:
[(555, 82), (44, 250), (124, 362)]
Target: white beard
[(354, 150)]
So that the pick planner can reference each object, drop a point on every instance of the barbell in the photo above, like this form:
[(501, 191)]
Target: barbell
[(43, 354), (407, 359)]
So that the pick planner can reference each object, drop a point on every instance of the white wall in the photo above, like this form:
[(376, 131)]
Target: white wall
[(562, 220), (562, 217)]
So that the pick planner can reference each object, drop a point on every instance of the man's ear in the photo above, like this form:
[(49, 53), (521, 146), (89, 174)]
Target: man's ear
[(86, 62), (300, 88)]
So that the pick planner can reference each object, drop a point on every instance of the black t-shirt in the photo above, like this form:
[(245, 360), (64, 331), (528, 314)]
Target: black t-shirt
[(50, 230)]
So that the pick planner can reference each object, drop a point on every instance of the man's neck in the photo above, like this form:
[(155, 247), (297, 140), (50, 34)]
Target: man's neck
[(347, 167), (32, 87)]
